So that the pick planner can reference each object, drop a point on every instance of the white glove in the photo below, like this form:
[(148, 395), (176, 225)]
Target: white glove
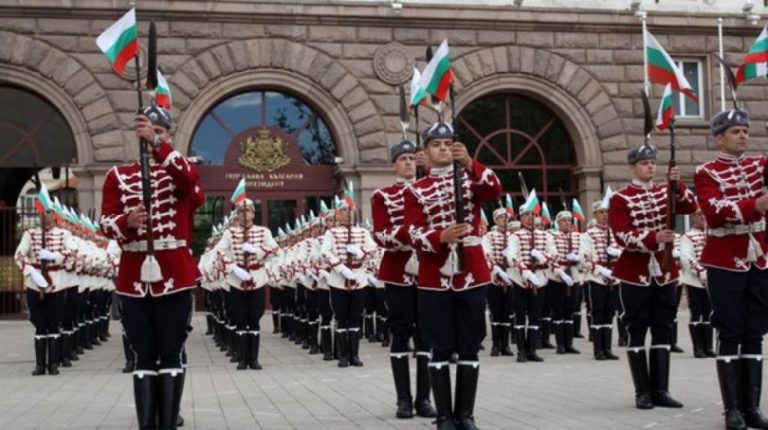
[(675, 253), (572, 258), (372, 280), (38, 278), (612, 251), (355, 251), (532, 278), (242, 274), (247, 247), (345, 272), (564, 276), (323, 275), (46, 255), (504, 278), (535, 253), (507, 253), (605, 272)]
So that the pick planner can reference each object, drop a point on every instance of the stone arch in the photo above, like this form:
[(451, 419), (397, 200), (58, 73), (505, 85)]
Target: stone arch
[(570, 91), (71, 87), (309, 73)]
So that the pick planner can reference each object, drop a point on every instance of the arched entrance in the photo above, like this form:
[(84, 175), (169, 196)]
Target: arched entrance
[(513, 133), (278, 142)]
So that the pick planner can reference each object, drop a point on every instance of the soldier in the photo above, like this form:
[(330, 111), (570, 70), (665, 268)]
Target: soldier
[(323, 291), (397, 271), (346, 249), (245, 248), (636, 215), (730, 194), (451, 307), (562, 279), (500, 291), (599, 252), (155, 308)]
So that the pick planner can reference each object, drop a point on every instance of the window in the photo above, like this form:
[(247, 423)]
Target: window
[(685, 107)]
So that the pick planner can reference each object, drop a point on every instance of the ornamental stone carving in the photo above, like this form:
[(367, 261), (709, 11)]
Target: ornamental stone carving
[(393, 64)]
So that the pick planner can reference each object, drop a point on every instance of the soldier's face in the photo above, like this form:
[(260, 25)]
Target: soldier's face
[(564, 224), (49, 218), (501, 222), (733, 140), (344, 216), (644, 170), (526, 219), (246, 216), (405, 166), (698, 220), (601, 216), (439, 152)]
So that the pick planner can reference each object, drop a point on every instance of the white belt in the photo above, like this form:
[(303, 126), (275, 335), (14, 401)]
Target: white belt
[(160, 245), (740, 229), (471, 241)]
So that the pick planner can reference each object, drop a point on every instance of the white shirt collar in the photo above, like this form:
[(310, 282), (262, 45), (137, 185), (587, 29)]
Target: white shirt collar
[(441, 171), (641, 184)]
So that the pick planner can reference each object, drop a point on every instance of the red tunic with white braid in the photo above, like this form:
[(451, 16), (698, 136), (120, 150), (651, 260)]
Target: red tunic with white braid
[(173, 182), (334, 250), (59, 242), (692, 273), (520, 258), (430, 208), (565, 247), (389, 232), (496, 243), (231, 248), (636, 213), (594, 255), (727, 188)]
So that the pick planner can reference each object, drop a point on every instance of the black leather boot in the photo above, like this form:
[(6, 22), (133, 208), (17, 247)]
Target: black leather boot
[(577, 325), (369, 334), (402, 378), (422, 404), (104, 329), (275, 322), (167, 401), (179, 390), (342, 343), (95, 332), (208, 324), (533, 338), (495, 340), (242, 350), (568, 333), (597, 343), (506, 351), (86, 335), (466, 390), (385, 334), (379, 328), (53, 354), (559, 330), (622, 334), (607, 335), (697, 340), (254, 341), (284, 326), (306, 328), (638, 367), (546, 330), (326, 343), (659, 361), (40, 344), (354, 348), (313, 347), (128, 352), (145, 394), (66, 345), (77, 341), (440, 377), (673, 339), (730, 379), (706, 335), (520, 342), (752, 386)]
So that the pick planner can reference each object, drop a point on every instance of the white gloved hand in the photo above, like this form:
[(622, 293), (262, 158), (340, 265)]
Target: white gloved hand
[(241, 274), (535, 253), (323, 275), (564, 276), (675, 253), (38, 278), (532, 278), (504, 278), (355, 251), (372, 280), (613, 251), (46, 255), (572, 258), (507, 253), (247, 247), (345, 272), (605, 272)]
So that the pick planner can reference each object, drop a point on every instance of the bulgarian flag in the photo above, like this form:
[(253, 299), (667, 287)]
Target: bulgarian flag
[(531, 203), (323, 209), (43, 203), (120, 42), (756, 62), (162, 92), (483, 218), (509, 206), (666, 112), (545, 215), (418, 95), (239, 194), (577, 212), (349, 196), (662, 70), (437, 76)]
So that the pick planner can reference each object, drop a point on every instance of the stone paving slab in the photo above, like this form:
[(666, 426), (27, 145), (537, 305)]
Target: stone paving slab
[(298, 391)]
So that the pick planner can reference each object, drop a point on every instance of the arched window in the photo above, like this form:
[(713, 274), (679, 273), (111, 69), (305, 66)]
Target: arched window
[(511, 133), (263, 108)]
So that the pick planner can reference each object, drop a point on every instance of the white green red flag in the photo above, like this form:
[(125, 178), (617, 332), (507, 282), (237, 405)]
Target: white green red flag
[(323, 209), (577, 212), (120, 41), (349, 196), (531, 203), (163, 92), (510, 208), (756, 62), (418, 95), (437, 76), (666, 113), (483, 218), (545, 215), (239, 194), (43, 203), (606, 199), (662, 69)]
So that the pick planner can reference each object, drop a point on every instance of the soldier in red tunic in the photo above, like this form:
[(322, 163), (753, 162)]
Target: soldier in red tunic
[(451, 305), (397, 270), (637, 216), (730, 193), (155, 312)]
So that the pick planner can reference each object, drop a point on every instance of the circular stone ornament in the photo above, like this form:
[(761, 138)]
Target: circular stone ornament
[(393, 63)]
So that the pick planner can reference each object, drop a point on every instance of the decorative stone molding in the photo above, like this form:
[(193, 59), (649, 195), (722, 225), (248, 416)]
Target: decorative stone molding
[(393, 63)]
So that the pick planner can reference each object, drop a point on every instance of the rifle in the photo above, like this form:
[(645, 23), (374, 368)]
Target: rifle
[(458, 179), (669, 261), (532, 243), (43, 263), (504, 264), (570, 240)]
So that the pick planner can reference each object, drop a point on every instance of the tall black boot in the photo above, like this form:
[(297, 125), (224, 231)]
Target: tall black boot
[(520, 342), (546, 330), (422, 404), (242, 350), (254, 342), (638, 366), (607, 333), (234, 346), (306, 330), (167, 402), (402, 377), (597, 343), (342, 343), (53, 354), (95, 332), (326, 343), (103, 329), (659, 361), (370, 334), (577, 325), (466, 390), (622, 335), (506, 351), (559, 329), (301, 332), (40, 344), (729, 377), (697, 340), (385, 335), (275, 322), (440, 378), (379, 328), (495, 340), (354, 348), (145, 393), (77, 346), (673, 339), (66, 345), (86, 335), (752, 385), (129, 357), (532, 343), (313, 348), (208, 324), (706, 335), (284, 326), (178, 391), (568, 334), (294, 328)]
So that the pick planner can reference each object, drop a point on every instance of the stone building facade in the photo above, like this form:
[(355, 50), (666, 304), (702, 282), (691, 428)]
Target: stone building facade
[(346, 58)]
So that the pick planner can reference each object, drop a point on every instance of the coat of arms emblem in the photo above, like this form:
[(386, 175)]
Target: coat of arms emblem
[(264, 153)]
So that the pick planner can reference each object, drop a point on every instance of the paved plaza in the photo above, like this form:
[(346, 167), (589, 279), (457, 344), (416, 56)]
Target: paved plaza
[(299, 391)]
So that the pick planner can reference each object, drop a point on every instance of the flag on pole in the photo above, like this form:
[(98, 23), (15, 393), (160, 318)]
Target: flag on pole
[(510, 208), (545, 215), (43, 203), (483, 218), (662, 69), (437, 76), (349, 195), (323, 209), (119, 42), (163, 92), (418, 95), (577, 212), (239, 194), (531, 203), (756, 62), (606, 199), (666, 112)]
